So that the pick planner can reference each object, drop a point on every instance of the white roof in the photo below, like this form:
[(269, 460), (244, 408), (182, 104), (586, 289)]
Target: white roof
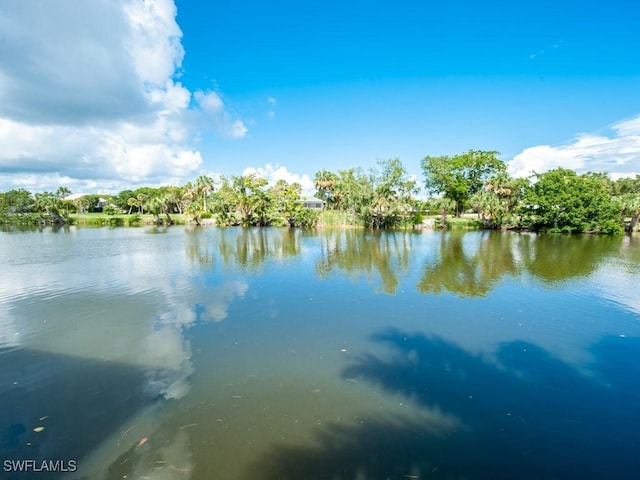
[(75, 196)]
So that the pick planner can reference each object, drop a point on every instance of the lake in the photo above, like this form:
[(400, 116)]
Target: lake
[(206, 353)]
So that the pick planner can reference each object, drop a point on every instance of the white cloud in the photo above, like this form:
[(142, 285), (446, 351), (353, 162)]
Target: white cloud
[(154, 40), (88, 96), (238, 130), (210, 102), (273, 173), (272, 104), (616, 150), (216, 117)]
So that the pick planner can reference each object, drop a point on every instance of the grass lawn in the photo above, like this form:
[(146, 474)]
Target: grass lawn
[(121, 219)]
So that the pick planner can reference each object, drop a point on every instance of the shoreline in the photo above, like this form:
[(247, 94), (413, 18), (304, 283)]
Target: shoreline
[(98, 220)]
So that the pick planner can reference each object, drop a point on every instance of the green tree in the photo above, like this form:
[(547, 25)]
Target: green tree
[(121, 200), (288, 204), (459, 177), (133, 202), (204, 185), (194, 210), (393, 191), (16, 202), (444, 205), (626, 185), (627, 197), (245, 195), (175, 198), (141, 196), (325, 183), (388, 195), (353, 191), (62, 192), (160, 202), (49, 204), (497, 202), (91, 203), (287, 201), (153, 205), (82, 204), (562, 200)]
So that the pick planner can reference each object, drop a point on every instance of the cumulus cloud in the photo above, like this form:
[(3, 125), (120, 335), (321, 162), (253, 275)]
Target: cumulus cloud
[(615, 150), (88, 95), (62, 63), (273, 173)]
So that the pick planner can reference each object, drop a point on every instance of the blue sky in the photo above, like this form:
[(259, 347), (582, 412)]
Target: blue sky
[(118, 94)]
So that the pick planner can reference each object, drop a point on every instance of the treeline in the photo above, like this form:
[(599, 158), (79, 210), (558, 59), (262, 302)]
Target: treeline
[(475, 182), (558, 200), (237, 200)]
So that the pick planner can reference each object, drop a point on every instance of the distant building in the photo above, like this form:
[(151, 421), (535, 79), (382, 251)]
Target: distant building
[(313, 203), (100, 203)]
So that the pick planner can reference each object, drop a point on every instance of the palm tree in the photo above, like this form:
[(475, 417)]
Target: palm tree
[(154, 205), (175, 197), (50, 204), (62, 192), (133, 202), (629, 204), (444, 204), (204, 185), (142, 200), (166, 199), (325, 182), (192, 202), (496, 203)]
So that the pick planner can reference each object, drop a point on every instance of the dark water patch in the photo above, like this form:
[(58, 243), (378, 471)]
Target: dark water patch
[(73, 404), (525, 414)]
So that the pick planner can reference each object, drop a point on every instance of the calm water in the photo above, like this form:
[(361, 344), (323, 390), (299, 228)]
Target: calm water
[(278, 354)]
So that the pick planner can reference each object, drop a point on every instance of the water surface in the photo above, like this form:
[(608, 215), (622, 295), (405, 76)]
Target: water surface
[(282, 354)]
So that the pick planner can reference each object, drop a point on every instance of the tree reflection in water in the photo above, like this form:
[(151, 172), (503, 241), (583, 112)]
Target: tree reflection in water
[(358, 252), (470, 271), (468, 264), (245, 249), (556, 258)]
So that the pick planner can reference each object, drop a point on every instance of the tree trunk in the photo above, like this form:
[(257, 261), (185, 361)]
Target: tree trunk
[(57, 218), (634, 221), (443, 218), (169, 219)]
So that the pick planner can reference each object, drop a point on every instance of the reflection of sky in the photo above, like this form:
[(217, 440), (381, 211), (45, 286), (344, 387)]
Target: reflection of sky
[(84, 295), (617, 279), (120, 296)]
